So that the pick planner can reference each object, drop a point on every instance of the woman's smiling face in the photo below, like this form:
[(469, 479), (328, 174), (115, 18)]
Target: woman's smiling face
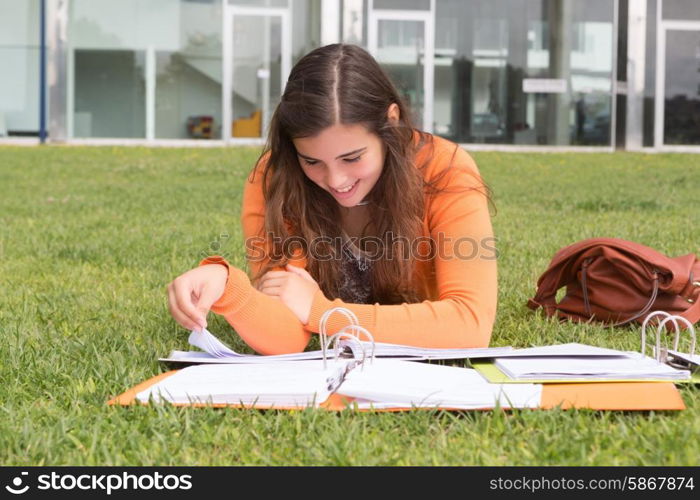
[(345, 160)]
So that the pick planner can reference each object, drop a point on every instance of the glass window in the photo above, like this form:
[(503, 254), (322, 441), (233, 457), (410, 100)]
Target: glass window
[(111, 43), (306, 27), (591, 72), (256, 3), (354, 22), (682, 88), (188, 80), (524, 72), (402, 4), (257, 61), (109, 94), (19, 60), (399, 51), (683, 10)]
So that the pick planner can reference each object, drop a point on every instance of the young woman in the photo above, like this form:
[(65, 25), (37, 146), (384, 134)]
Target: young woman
[(350, 206)]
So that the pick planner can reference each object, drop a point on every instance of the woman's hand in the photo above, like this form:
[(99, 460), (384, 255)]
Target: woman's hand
[(191, 295), (294, 287)]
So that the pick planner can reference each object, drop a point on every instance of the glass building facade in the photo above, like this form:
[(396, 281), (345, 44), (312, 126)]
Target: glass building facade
[(491, 74)]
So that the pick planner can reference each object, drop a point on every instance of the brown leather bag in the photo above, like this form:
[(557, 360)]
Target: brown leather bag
[(617, 281)]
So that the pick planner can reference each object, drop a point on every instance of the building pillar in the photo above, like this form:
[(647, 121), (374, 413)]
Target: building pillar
[(560, 33), (330, 22), (56, 68), (636, 67)]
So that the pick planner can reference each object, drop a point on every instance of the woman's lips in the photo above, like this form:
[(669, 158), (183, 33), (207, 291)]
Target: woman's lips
[(347, 194)]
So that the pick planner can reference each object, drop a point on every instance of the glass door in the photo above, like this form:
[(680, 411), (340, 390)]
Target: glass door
[(678, 85), (488, 99), (257, 61), (403, 44)]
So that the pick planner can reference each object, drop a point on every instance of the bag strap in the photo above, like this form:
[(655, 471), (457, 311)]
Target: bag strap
[(647, 307), (551, 282)]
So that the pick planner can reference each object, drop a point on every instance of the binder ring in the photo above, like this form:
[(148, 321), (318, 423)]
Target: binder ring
[(361, 329), (676, 338), (322, 330), (657, 350), (335, 338)]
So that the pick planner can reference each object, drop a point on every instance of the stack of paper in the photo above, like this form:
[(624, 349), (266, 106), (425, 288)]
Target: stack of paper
[(625, 367), (572, 349), (693, 360), (384, 350), (216, 351), (291, 383), (380, 383), (394, 384)]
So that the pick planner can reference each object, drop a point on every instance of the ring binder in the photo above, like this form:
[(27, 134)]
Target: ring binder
[(334, 339), (335, 382), (657, 349), (347, 331), (661, 354)]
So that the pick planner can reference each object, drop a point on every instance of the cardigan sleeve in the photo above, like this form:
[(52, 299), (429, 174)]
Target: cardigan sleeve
[(464, 266), (465, 273), (263, 322)]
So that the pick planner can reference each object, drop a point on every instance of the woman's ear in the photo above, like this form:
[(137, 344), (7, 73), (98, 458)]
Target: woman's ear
[(393, 113)]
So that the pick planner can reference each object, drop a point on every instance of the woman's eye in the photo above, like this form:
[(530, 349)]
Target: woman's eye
[(353, 160), (309, 162)]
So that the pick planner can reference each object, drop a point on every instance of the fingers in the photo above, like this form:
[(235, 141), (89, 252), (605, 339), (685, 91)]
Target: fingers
[(182, 319), (274, 291), (273, 282), (273, 286), (182, 308), (272, 275), (301, 272), (207, 298)]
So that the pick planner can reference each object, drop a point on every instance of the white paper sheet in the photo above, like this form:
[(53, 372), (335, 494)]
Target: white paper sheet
[(218, 352), (572, 349), (406, 384), (599, 368), (686, 357), (292, 383)]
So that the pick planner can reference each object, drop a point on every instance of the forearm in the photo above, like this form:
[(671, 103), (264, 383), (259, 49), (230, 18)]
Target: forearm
[(263, 322), (448, 323)]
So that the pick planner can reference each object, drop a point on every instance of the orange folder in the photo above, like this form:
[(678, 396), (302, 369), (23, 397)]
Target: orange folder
[(595, 396)]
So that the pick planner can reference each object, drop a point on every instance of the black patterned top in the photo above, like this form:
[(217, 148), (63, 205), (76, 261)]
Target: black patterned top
[(355, 287)]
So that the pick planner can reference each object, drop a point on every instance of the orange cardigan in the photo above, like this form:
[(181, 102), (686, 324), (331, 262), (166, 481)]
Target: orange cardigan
[(458, 285)]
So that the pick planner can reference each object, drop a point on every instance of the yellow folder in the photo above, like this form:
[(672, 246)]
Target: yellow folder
[(593, 395)]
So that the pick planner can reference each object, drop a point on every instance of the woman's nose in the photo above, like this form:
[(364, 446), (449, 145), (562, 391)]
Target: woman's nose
[(336, 178)]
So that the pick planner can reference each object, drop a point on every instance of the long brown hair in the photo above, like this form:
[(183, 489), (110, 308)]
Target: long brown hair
[(343, 84)]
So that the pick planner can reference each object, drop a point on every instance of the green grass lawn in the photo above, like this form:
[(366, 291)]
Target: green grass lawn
[(90, 237)]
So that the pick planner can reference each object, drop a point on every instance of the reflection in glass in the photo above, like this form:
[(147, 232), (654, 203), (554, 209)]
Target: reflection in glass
[(353, 24), (683, 10), (188, 80), (257, 61), (400, 49), (256, 3), (183, 40), (485, 51), (402, 4), (682, 88), (110, 94), (19, 60)]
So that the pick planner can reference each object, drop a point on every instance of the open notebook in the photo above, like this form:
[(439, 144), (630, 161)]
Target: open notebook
[(364, 381), (378, 383)]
